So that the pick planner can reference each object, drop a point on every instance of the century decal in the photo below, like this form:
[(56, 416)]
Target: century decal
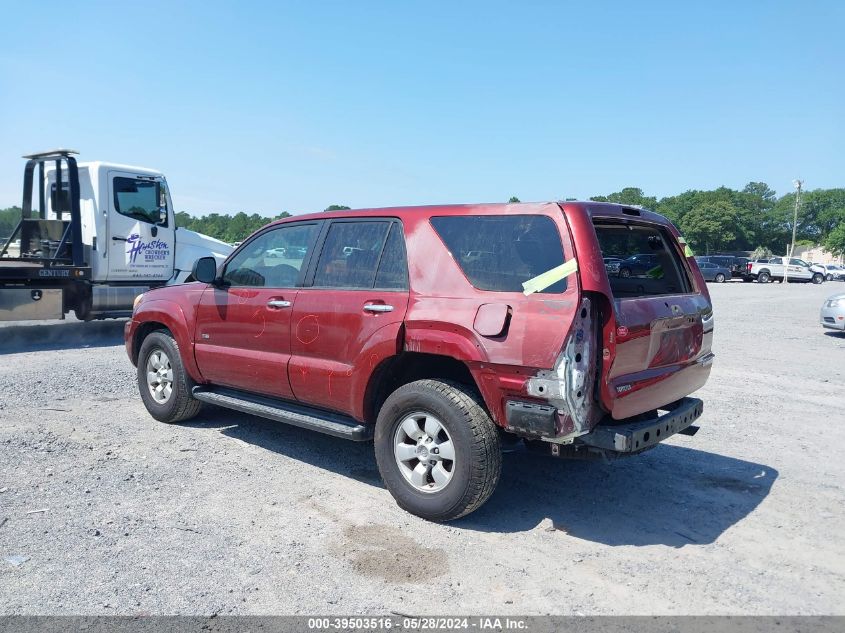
[(152, 251)]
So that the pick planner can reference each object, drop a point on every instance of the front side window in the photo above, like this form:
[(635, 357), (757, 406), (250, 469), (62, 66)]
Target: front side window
[(501, 252), (273, 259), (650, 262), (351, 254), (143, 200)]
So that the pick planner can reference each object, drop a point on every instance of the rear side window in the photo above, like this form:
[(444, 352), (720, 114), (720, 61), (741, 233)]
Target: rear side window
[(500, 252), (649, 262), (361, 255), (393, 268)]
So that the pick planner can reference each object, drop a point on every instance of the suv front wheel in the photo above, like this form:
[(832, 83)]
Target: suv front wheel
[(437, 449), (164, 384)]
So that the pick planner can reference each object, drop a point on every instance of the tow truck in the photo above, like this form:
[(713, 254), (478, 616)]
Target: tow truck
[(102, 234)]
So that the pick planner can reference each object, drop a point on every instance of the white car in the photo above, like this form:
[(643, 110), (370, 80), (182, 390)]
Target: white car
[(834, 272), (832, 314)]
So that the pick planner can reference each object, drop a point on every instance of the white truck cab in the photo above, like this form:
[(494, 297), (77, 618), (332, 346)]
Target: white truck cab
[(102, 234)]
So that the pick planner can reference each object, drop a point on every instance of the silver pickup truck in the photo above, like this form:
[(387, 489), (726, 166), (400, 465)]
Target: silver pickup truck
[(774, 269)]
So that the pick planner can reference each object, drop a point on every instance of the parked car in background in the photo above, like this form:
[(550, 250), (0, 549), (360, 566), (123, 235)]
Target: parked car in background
[(713, 272), (832, 315), (377, 331), (611, 265), (834, 272), (737, 266), (775, 269), (639, 265)]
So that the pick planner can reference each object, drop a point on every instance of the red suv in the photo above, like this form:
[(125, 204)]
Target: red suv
[(440, 333)]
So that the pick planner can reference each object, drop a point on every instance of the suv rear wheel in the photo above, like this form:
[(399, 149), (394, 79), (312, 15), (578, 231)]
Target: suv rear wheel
[(437, 449), (763, 277), (164, 384)]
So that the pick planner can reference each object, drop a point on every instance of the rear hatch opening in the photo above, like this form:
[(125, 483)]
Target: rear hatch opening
[(664, 321)]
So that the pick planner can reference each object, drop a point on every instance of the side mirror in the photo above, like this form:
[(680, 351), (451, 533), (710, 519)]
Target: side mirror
[(205, 270), (162, 215)]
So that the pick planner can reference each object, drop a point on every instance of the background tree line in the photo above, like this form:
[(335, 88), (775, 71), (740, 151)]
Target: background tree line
[(721, 219), (754, 218)]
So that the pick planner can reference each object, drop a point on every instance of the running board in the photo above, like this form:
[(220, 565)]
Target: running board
[(288, 412)]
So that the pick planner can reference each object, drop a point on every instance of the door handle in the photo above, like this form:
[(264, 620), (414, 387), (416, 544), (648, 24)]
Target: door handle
[(378, 307), (278, 303), (115, 238)]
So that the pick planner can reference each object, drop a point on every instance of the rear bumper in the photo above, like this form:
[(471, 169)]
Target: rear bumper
[(639, 436)]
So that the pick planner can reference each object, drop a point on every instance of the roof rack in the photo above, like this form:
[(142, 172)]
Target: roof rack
[(53, 153)]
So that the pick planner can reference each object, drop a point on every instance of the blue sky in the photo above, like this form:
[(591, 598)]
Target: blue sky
[(271, 107)]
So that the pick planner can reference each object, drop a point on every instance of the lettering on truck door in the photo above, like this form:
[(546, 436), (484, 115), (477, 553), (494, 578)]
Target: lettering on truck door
[(140, 228)]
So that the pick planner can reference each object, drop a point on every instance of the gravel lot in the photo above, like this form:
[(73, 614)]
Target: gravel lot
[(113, 513)]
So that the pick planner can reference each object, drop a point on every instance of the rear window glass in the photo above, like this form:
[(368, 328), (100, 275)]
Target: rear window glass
[(500, 252), (351, 254), (648, 264)]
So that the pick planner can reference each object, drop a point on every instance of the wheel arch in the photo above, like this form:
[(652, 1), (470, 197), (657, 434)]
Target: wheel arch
[(142, 332), (161, 315), (407, 367)]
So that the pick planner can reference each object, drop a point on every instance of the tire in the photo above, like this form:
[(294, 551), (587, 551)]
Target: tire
[(409, 418), (719, 278), (159, 354), (764, 277), (817, 278), (625, 272), (829, 277)]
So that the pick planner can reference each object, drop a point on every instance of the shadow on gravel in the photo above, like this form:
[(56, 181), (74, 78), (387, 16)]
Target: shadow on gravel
[(350, 459), (835, 334), (671, 495), (62, 335)]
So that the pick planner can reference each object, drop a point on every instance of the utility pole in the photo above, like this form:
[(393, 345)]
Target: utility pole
[(798, 184)]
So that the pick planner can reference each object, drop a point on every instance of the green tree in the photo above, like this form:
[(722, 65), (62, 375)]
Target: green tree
[(9, 219), (632, 196), (835, 241), (229, 228), (513, 200), (761, 191), (336, 207), (711, 226), (760, 252)]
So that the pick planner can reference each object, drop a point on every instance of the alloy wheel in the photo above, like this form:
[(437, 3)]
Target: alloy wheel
[(159, 376), (424, 452)]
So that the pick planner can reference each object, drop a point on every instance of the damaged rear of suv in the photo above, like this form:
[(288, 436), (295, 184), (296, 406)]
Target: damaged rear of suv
[(607, 361), (440, 333)]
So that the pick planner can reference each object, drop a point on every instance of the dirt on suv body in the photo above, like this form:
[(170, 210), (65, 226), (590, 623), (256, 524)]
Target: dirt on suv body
[(440, 333)]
